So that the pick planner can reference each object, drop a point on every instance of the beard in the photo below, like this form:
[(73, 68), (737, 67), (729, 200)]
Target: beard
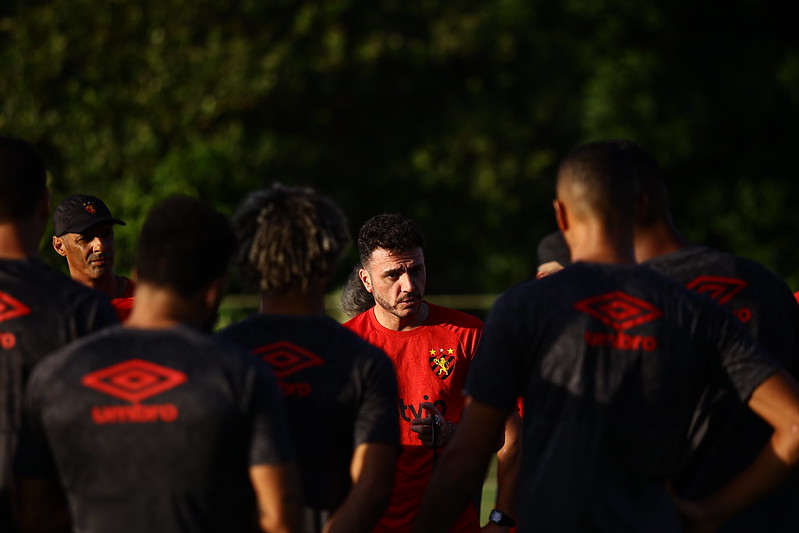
[(394, 308)]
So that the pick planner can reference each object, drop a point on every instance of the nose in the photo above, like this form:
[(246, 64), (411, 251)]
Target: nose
[(406, 283), (99, 244)]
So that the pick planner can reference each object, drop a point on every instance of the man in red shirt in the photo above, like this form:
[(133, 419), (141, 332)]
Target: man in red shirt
[(431, 348), (84, 235)]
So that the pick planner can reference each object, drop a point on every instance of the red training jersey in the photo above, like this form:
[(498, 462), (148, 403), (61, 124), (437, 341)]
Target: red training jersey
[(123, 304), (431, 363)]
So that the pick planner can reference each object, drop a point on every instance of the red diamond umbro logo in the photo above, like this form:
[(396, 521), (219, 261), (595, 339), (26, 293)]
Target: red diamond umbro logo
[(134, 380), (10, 307), (718, 288), (286, 358), (619, 310)]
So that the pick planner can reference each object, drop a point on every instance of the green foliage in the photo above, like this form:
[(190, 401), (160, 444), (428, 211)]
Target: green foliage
[(453, 113)]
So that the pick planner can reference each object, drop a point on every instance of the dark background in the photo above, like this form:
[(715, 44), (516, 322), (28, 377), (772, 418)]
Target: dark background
[(455, 113)]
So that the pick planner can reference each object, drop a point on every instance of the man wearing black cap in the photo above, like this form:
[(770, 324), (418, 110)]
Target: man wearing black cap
[(84, 234)]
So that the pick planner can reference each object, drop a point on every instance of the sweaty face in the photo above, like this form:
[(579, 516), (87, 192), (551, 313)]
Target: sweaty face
[(396, 280), (90, 254)]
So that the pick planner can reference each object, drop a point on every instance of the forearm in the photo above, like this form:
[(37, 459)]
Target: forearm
[(776, 400), (372, 469), (277, 490), (771, 467), (361, 510), (461, 468), (459, 476), (508, 464)]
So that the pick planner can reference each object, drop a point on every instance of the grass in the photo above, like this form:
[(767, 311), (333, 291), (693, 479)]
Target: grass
[(489, 491)]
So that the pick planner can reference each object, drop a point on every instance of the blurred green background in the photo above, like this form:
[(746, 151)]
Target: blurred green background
[(454, 113)]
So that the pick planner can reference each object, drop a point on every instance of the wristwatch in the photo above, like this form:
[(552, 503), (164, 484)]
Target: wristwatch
[(501, 519)]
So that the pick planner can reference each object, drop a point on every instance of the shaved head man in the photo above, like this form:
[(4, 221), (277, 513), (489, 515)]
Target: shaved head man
[(610, 359)]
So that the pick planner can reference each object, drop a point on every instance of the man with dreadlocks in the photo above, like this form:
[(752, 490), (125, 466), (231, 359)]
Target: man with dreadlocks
[(340, 391)]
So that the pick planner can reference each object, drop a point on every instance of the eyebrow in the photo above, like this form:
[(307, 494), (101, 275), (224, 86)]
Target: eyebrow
[(415, 268), (393, 271)]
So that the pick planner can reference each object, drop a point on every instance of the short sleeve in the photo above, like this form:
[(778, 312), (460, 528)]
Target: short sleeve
[(495, 373), (743, 361), (269, 439), (34, 457), (376, 420)]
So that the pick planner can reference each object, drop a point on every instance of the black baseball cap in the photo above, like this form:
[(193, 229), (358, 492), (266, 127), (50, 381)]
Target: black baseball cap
[(79, 212)]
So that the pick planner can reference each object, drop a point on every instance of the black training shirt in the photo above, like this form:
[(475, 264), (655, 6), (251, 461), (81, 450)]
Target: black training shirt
[(726, 435), (153, 430), (610, 361), (41, 310), (340, 392)]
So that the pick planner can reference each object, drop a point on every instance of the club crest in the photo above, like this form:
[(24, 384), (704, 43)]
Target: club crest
[(442, 362)]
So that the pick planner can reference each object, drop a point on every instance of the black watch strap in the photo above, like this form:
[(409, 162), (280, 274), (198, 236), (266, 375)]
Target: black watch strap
[(501, 519)]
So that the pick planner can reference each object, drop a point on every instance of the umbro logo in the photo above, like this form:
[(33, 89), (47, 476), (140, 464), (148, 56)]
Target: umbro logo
[(287, 358), (722, 290), (718, 288), (621, 312), (618, 310), (10, 307), (133, 381)]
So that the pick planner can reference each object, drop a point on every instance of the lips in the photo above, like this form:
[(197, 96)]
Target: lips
[(100, 260), (101, 263)]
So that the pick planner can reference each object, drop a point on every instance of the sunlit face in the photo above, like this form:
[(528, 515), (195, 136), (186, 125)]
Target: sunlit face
[(396, 280), (90, 254)]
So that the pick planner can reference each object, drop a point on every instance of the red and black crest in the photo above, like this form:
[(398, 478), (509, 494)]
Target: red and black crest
[(442, 362)]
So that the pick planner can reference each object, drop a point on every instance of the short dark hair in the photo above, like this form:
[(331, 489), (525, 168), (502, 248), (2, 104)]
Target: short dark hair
[(392, 232), (184, 244), (604, 174), (650, 183), (290, 237), (23, 178)]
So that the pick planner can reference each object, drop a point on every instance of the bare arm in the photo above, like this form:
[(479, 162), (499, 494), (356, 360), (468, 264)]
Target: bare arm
[(278, 494), (372, 471), (776, 401), (508, 462), (41, 506), (461, 467)]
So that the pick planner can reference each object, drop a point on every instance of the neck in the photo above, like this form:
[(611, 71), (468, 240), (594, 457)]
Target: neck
[(657, 239), (159, 308), (19, 240), (292, 303), (395, 323), (111, 285), (596, 243)]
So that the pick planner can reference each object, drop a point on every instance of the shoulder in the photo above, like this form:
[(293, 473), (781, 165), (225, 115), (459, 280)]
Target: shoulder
[(445, 316), (361, 322), (81, 351)]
